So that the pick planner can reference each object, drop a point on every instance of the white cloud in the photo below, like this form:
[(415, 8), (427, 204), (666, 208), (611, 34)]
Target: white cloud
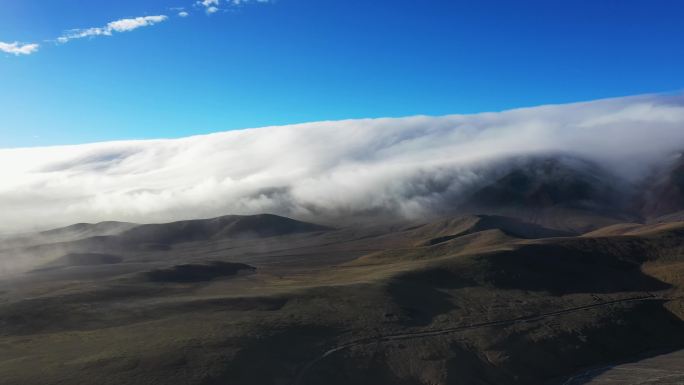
[(122, 25), (125, 25), (408, 167), (18, 49), (240, 2), (213, 6)]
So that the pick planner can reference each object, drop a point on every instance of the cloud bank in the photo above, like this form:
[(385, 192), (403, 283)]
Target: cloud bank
[(407, 167), (17, 48)]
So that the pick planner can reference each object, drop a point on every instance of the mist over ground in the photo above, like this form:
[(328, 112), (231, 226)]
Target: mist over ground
[(327, 171)]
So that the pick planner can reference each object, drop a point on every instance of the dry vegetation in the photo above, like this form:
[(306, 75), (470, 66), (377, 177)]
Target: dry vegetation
[(473, 300)]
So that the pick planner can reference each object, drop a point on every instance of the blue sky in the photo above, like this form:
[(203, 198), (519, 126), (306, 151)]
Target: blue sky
[(288, 61)]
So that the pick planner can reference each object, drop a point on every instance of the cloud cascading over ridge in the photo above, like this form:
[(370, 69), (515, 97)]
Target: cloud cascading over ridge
[(17, 48), (122, 25), (325, 169)]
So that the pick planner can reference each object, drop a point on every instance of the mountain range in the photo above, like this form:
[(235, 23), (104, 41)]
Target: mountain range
[(526, 247), (551, 272)]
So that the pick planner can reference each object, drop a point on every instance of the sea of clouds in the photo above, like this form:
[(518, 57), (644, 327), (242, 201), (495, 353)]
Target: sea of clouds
[(325, 171)]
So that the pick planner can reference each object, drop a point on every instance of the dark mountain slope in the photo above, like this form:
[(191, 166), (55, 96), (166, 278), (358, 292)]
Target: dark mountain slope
[(159, 238), (67, 234), (560, 192), (231, 226), (84, 230), (664, 193), (447, 229)]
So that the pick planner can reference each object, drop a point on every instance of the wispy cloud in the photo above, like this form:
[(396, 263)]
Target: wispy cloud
[(213, 6), (17, 48), (125, 25), (122, 25), (240, 2)]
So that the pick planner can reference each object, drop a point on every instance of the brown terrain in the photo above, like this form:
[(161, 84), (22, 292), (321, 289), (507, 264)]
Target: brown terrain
[(555, 291)]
